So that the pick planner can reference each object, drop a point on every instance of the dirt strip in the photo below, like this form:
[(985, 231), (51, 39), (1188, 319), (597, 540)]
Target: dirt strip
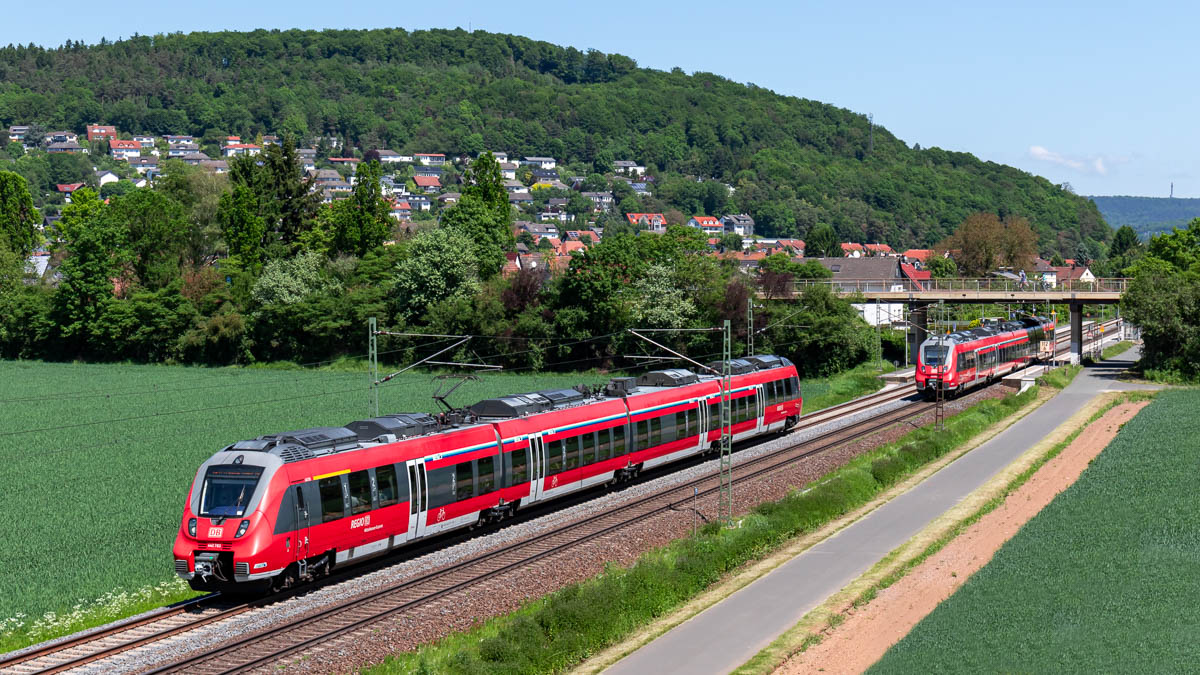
[(867, 632)]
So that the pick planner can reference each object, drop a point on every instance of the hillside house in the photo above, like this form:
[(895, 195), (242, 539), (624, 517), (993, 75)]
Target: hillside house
[(520, 198), (194, 158), (17, 133), (540, 162), (601, 201), (97, 132), (182, 148), (68, 189), (508, 171), (389, 157), (105, 177), (66, 147), (428, 184), (655, 222), (217, 166), (145, 140), (628, 167), (239, 149), (870, 274), (708, 224), (143, 164), (60, 137), (123, 151), (740, 224), (852, 250), (430, 158)]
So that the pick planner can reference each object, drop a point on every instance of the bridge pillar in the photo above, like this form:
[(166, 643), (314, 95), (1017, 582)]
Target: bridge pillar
[(1076, 332), (918, 329)]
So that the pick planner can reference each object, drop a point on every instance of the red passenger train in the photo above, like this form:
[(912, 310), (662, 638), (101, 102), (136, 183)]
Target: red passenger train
[(269, 512), (966, 358)]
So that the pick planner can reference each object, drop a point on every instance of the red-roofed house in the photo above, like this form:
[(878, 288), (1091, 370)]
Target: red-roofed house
[(96, 132), (919, 277), (428, 184), (568, 247), (124, 150), (852, 250), (68, 189), (1072, 274), (512, 265), (710, 225), (917, 255), (879, 249), (653, 221), (236, 149), (401, 211)]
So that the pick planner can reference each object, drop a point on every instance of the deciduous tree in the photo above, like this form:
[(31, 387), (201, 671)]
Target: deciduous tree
[(18, 218)]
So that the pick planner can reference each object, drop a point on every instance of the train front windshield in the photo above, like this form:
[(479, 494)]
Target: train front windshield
[(227, 490), (935, 356)]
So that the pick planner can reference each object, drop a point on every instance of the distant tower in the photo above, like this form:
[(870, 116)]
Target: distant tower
[(871, 143), (1172, 189)]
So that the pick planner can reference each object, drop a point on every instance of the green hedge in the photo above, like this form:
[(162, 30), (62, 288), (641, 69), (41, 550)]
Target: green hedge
[(564, 628)]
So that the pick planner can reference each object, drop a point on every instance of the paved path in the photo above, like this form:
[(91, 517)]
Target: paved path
[(729, 633)]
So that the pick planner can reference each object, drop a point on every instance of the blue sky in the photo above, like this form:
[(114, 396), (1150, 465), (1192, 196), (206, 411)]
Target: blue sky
[(1100, 95)]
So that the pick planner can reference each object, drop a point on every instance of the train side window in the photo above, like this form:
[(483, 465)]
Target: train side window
[(604, 448), (572, 453), (772, 392), (441, 487), (588, 455), (714, 414), (554, 460), (681, 428), (619, 440), (332, 505), (642, 437), (385, 482), (520, 466), (359, 483), (487, 475), (464, 481), (794, 386), (752, 404), (655, 431)]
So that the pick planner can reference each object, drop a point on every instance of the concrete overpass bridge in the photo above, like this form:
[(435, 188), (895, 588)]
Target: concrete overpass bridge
[(920, 294)]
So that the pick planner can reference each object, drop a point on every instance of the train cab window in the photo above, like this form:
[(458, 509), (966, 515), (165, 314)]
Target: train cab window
[(464, 481), (520, 467), (935, 355), (386, 485), (360, 492), (571, 445), (554, 459), (487, 474), (656, 431), (794, 386), (643, 434), (228, 489), (332, 504), (619, 440)]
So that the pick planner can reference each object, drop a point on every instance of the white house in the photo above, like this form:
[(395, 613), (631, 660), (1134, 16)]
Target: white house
[(430, 158), (710, 225), (237, 149), (389, 157), (105, 177), (124, 150), (541, 162), (628, 167)]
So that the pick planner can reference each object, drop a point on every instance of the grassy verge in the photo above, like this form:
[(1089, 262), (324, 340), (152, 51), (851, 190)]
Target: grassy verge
[(1060, 377), (569, 625), (1108, 562), (826, 392), (1115, 350)]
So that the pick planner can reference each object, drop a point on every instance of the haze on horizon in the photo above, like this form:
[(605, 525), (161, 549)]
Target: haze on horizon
[(1094, 95)]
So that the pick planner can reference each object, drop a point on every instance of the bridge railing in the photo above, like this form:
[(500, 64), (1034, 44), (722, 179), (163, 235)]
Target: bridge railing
[(867, 286)]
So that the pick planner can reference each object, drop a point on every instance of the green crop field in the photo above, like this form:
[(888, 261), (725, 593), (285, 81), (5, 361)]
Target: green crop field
[(1102, 580), (97, 461)]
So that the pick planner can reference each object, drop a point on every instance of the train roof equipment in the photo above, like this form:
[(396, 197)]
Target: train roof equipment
[(399, 425), (671, 377)]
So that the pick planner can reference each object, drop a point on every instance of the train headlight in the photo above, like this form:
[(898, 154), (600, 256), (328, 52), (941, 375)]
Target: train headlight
[(191, 527), (242, 528)]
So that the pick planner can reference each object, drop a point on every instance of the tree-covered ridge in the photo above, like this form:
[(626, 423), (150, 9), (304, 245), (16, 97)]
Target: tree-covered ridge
[(794, 163), (1148, 215)]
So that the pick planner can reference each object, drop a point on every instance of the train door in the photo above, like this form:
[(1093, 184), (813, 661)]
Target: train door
[(537, 467), (418, 501), (760, 404), (301, 533), (702, 411)]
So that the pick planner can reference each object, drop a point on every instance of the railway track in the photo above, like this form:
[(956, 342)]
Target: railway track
[(266, 648), (347, 617)]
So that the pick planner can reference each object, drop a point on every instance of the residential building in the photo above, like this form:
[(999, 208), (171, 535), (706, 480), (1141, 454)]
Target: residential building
[(270, 140), (194, 158), (500, 156), (145, 140), (538, 230), (601, 201), (556, 216), (740, 224), (237, 149), (422, 170), (122, 150), (17, 133), (710, 225), (97, 132), (513, 186), (428, 184), (66, 147), (68, 189), (143, 164), (430, 158), (215, 165), (325, 176), (917, 255), (544, 183), (652, 221), (628, 167), (871, 274), (307, 158), (401, 210), (879, 249), (105, 177), (419, 202), (548, 174), (60, 137), (182, 148), (449, 198), (406, 158), (389, 157), (540, 162), (852, 250), (520, 198), (640, 188), (173, 140), (508, 170), (1073, 274)]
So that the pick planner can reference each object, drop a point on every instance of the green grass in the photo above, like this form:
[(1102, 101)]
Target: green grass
[(826, 392), (564, 628), (1116, 350), (1104, 576), (1060, 377), (98, 460)]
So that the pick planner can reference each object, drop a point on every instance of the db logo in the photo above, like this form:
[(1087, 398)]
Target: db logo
[(441, 515), (554, 482), (215, 531)]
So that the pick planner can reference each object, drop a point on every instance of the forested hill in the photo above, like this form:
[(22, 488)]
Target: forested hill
[(1148, 215), (793, 162)]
